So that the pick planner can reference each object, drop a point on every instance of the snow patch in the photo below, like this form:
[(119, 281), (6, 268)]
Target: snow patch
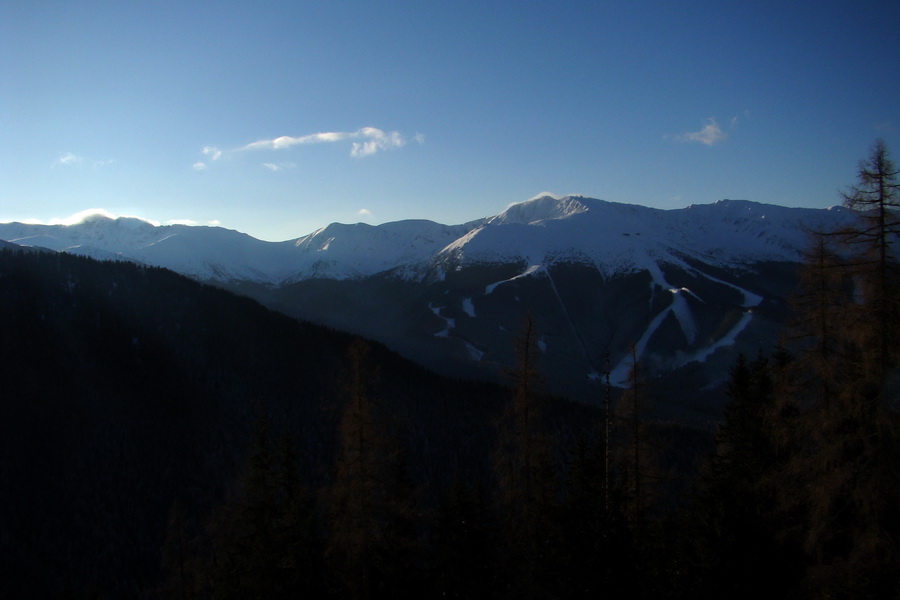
[(474, 352), (468, 307), (750, 299), (449, 323), (529, 271), (682, 313)]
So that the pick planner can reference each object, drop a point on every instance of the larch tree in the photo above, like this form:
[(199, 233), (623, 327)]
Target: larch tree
[(371, 501), (838, 429), (876, 197), (634, 453), (527, 487)]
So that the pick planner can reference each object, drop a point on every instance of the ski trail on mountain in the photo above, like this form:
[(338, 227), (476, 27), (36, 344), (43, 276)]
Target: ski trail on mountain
[(750, 299), (726, 340), (450, 323), (529, 271)]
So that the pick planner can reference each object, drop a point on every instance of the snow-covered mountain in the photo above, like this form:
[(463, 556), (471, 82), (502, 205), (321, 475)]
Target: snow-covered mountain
[(626, 237), (614, 237), (688, 287)]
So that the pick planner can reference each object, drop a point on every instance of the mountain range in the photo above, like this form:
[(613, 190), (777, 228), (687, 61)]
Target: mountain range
[(682, 291)]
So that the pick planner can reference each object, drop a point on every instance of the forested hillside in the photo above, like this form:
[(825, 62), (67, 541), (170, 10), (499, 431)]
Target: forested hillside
[(128, 390)]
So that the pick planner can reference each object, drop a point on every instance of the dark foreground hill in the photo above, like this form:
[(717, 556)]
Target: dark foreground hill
[(128, 389)]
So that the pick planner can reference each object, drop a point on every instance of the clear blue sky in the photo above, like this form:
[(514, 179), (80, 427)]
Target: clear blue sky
[(276, 118)]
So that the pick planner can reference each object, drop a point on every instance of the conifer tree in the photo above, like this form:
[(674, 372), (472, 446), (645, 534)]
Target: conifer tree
[(527, 488), (371, 541), (838, 430), (463, 544), (634, 455), (737, 529), (876, 197), (819, 333), (262, 541), (596, 547)]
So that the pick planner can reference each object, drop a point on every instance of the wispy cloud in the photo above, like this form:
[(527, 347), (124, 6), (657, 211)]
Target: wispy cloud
[(276, 167), (710, 134), (364, 213), (365, 141), (211, 152), (70, 159)]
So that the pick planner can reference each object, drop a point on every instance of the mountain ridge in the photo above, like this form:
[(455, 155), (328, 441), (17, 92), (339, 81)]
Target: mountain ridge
[(689, 289), (539, 229)]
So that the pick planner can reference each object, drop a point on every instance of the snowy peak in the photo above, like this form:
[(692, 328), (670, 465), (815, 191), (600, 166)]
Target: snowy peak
[(540, 209), (342, 251)]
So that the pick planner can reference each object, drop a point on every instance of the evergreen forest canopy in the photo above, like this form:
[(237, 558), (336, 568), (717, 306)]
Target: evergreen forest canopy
[(161, 438)]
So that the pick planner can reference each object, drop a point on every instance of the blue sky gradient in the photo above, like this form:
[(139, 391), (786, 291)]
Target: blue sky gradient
[(276, 118)]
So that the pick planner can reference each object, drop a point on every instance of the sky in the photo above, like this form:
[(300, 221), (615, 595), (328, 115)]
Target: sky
[(277, 118)]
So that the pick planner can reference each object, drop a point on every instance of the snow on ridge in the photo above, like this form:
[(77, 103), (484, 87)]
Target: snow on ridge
[(348, 251), (539, 209), (615, 237)]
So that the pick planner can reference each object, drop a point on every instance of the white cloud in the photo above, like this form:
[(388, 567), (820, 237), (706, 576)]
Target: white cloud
[(710, 134), (370, 141), (211, 152), (276, 167), (376, 140), (364, 213), (286, 141), (70, 159)]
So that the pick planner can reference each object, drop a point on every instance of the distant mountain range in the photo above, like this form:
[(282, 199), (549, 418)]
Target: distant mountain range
[(689, 288)]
